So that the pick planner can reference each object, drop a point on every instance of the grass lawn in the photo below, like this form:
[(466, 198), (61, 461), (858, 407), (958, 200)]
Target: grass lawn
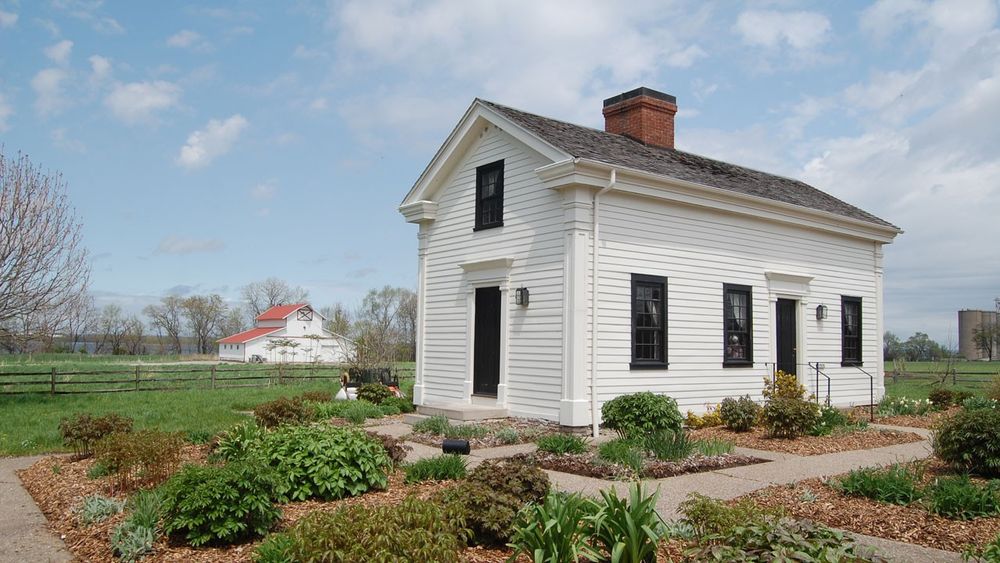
[(29, 424), (923, 377)]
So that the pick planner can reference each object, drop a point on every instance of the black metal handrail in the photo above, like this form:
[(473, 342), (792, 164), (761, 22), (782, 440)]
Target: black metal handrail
[(871, 392), (819, 372)]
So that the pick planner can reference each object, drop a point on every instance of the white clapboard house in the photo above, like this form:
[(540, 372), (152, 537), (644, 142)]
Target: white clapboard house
[(709, 276), (286, 333)]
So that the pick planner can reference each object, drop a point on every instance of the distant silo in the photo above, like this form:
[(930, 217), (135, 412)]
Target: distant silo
[(968, 321)]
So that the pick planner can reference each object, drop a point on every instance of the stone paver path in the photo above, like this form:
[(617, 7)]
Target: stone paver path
[(23, 533)]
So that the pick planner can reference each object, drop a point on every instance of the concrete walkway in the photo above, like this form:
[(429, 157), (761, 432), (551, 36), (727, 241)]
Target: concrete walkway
[(730, 483), (23, 532)]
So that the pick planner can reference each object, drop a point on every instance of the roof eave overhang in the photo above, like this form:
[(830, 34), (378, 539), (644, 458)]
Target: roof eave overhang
[(472, 124), (594, 174)]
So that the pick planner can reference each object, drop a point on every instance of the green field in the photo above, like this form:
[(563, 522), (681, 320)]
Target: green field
[(920, 378)]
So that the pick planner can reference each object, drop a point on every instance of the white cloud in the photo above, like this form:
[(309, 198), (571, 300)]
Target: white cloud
[(802, 31), (187, 39), (318, 104), (87, 11), (48, 87), (216, 139), (947, 26), (138, 102), (6, 110), (7, 19), (62, 140), (686, 57), (303, 52), (100, 69), (59, 53), (174, 244), (263, 191)]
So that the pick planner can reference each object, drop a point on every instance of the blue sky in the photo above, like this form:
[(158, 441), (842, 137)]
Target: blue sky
[(209, 145)]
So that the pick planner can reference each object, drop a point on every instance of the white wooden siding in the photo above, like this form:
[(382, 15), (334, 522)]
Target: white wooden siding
[(532, 235), (699, 250)]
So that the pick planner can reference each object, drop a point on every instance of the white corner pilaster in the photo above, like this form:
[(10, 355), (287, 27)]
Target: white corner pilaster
[(577, 208), (418, 385)]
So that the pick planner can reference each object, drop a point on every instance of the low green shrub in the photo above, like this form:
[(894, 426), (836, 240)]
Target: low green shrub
[(146, 508), (414, 530), (198, 437), (388, 410), (206, 504), (783, 386), (333, 409), (374, 393), (830, 419), (491, 497), (895, 484), (976, 402), (562, 444), (130, 541), (710, 517), (82, 431), (941, 398), (621, 451), (98, 470), (239, 441), (97, 508), (637, 414), (356, 412), (403, 404), (713, 447), (437, 425), (140, 458), (507, 436), (959, 498), (668, 445), (466, 431), (326, 462), (970, 441), (959, 397), (284, 410), (317, 396), (442, 467), (739, 415), (394, 447), (556, 530), (789, 418), (627, 530)]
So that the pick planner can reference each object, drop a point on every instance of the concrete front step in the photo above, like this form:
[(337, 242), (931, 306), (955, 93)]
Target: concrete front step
[(462, 412)]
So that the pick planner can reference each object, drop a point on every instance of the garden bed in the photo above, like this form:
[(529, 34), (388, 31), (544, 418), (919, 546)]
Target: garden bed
[(839, 441), (589, 465), (487, 433), (58, 484), (817, 500), (927, 420)]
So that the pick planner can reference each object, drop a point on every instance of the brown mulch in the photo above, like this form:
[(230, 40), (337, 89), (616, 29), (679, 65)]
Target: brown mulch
[(927, 421), (909, 524), (528, 430), (58, 484), (588, 465), (758, 439)]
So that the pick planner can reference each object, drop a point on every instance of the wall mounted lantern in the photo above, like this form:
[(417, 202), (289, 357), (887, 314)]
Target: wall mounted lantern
[(820, 312), (521, 296)]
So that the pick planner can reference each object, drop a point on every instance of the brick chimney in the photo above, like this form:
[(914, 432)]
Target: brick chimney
[(642, 114)]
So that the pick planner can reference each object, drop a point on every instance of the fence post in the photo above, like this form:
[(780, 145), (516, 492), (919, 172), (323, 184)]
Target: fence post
[(52, 382), (136, 378), (213, 377), (281, 374)]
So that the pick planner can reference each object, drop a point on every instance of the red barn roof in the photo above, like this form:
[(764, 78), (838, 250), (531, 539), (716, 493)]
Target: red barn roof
[(279, 312), (248, 335)]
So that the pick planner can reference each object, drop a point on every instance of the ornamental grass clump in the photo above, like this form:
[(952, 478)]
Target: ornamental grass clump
[(627, 530), (560, 444), (638, 414), (969, 441), (895, 484), (443, 467), (555, 530), (959, 498)]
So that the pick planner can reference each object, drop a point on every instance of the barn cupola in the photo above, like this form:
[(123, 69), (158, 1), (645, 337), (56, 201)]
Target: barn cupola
[(642, 114)]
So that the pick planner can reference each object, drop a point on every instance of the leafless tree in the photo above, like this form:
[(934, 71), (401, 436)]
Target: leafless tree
[(80, 317), (204, 314), (165, 318), (232, 323), (985, 337), (133, 333), (261, 296), (338, 319), (407, 321), (43, 264), (111, 326), (377, 325)]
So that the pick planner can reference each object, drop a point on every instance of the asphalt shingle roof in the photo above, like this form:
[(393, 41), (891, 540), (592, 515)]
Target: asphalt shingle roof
[(584, 142)]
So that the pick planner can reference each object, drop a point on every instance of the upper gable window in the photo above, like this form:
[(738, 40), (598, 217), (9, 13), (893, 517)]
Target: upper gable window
[(489, 195)]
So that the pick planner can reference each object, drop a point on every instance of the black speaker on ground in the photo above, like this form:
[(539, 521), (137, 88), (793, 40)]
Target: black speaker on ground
[(456, 447)]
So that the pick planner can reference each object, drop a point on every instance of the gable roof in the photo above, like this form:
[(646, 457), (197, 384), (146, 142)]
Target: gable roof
[(279, 312), (248, 335), (584, 142)]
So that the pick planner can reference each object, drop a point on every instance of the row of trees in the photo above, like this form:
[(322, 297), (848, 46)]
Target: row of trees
[(917, 348)]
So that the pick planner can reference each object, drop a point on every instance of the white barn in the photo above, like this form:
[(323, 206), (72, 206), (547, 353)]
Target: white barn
[(287, 334), (709, 276)]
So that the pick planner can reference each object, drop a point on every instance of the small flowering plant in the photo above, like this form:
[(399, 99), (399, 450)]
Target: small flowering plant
[(894, 406)]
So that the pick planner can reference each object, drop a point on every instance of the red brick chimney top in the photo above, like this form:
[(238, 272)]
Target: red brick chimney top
[(642, 114)]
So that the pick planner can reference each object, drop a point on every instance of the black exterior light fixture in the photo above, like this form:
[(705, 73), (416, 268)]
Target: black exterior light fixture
[(521, 296), (820, 312)]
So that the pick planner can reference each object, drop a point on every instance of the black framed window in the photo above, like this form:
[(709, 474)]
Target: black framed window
[(489, 195), (737, 311), (850, 331), (649, 322)]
